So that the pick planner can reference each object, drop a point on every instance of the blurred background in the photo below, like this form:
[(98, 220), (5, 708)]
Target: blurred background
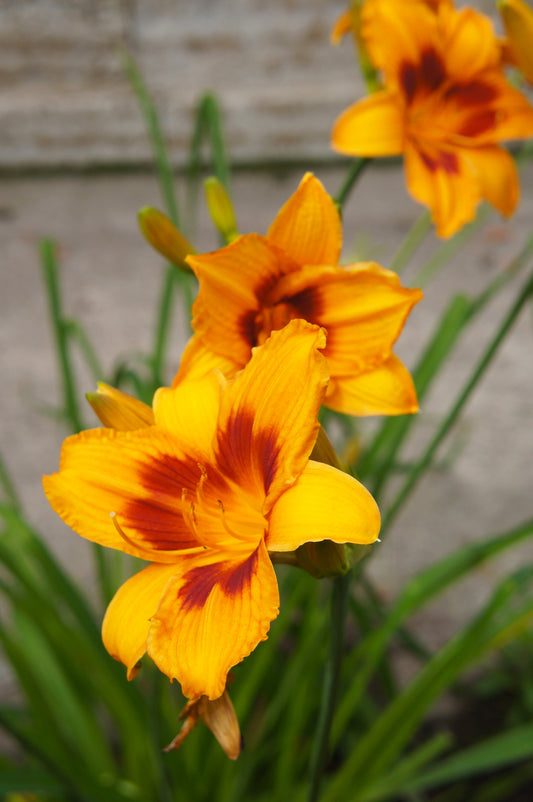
[(76, 166)]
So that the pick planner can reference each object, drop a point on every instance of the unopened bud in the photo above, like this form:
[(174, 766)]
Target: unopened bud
[(163, 235), (221, 208), (517, 19), (118, 410)]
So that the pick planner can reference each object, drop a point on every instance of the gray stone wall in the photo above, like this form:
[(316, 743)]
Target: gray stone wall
[(64, 99)]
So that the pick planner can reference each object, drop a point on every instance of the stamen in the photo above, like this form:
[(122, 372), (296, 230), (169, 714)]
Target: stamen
[(150, 552), (228, 529)]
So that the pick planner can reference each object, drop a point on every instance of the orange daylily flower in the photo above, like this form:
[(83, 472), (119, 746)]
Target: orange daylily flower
[(222, 478), (445, 106), (517, 18), (257, 284)]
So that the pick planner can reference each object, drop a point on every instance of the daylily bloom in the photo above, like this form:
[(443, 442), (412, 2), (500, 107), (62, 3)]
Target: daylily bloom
[(257, 284), (517, 18), (221, 478), (445, 106)]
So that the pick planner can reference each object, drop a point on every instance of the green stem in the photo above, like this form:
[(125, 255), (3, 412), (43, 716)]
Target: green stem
[(339, 606), (74, 330), (484, 362), (414, 238), (163, 323), (356, 168), (49, 267), (8, 486), (164, 169)]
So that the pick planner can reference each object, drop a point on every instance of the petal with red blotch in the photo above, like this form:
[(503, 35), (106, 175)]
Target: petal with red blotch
[(268, 416), (446, 182), (139, 476), (127, 619), (324, 504), (212, 615), (308, 227), (388, 389), (363, 308), (374, 126), (232, 282)]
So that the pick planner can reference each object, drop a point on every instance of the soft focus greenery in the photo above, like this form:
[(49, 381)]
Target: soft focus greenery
[(80, 731)]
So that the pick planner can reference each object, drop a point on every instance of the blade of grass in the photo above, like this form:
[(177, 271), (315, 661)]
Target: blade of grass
[(50, 270), (418, 592), (491, 754), (414, 238), (380, 747)]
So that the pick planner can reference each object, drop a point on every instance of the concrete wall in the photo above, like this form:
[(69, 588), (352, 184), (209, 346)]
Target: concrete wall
[(64, 100)]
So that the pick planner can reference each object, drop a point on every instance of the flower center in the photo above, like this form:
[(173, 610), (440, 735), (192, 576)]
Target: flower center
[(272, 318)]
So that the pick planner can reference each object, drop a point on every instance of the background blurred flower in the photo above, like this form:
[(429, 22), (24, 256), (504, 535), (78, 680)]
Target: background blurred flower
[(445, 106)]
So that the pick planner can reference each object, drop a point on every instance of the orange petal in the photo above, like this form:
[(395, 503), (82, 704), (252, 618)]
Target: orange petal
[(140, 477), (127, 620), (386, 390), (372, 127), (324, 504), (197, 360), (341, 27), (362, 307), (446, 182), (118, 410), (232, 280), (308, 227), (212, 616), (268, 418), (399, 34), (498, 175), (190, 411), (470, 44)]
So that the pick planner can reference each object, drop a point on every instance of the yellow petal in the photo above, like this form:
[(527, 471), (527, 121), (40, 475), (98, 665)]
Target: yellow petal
[(268, 418), (197, 360), (386, 390), (232, 280), (324, 504), (139, 476), (118, 410), (127, 620), (372, 127), (190, 411), (212, 616), (308, 227), (163, 235), (517, 18), (498, 175), (446, 182)]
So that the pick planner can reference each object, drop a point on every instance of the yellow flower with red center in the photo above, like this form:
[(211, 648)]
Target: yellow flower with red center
[(220, 478), (258, 284), (445, 106)]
